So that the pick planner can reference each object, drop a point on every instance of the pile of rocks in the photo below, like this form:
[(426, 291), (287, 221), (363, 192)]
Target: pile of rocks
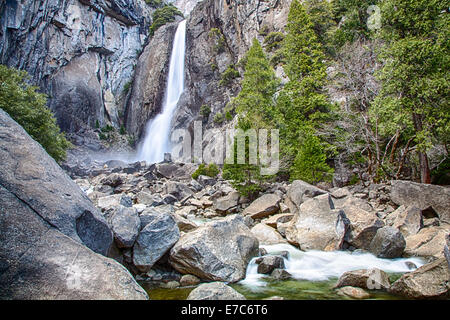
[(162, 219)]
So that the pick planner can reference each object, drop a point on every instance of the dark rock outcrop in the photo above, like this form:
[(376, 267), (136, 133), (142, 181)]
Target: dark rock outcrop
[(31, 175), (81, 53), (47, 226)]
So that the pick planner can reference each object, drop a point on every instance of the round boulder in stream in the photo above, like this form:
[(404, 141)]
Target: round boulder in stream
[(388, 243), (217, 251), (267, 264)]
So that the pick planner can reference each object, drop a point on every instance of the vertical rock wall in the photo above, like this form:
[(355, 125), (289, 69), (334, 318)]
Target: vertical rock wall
[(82, 53)]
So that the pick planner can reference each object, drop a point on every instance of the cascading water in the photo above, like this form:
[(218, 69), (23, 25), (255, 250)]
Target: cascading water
[(322, 266), (156, 141)]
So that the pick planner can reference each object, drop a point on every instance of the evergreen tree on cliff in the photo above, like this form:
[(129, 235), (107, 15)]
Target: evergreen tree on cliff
[(302, 103), (255, 107), (415, 78)]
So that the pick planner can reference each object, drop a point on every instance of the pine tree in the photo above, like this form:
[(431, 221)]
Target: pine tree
[(415, 78), (256, 109), (301, 103), (310, 163)]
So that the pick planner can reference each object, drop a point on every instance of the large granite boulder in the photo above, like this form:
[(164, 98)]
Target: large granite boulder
[(228, 203), (429, 281), (409, 221), (388, 243), (155, 239), (32, 176), (422, 196), (215, 291), (301, 191), (363, 227), (125, 224), (263, 206), (428, 242), (266, 234), (318, 226), (37, 261), (218, 251)]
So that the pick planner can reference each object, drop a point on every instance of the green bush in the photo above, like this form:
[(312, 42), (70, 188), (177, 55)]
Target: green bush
[(273, 40), (122, 130), (211, 170), (218, 38), (218, 118), (205, 111), (162, 16), (127, 87), (28, 108), (229, 75), (155, 3)]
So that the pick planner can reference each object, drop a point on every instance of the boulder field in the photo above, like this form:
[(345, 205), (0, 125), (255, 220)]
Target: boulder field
[(90, 235)]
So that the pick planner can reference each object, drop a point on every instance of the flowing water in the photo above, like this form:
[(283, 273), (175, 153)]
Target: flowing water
[(314, 273), (156, 141)]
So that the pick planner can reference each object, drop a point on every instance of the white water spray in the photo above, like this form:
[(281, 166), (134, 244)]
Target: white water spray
[(321, 265), (156, 141)]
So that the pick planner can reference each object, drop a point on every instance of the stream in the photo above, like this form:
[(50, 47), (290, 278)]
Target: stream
[(314, 273)]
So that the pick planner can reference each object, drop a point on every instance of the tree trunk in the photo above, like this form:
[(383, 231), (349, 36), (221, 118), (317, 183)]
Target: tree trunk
[(425, 172)]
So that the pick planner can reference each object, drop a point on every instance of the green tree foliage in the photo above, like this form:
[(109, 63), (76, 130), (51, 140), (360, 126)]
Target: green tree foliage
[(229, 75), (321, 15), (163, 15), (301, 103), (28, 108), (352, 16), (256, 109), (210, 170), (205, 111), (413, 101), (256, 99), (310, 163)]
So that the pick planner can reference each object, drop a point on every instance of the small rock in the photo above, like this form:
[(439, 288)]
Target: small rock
[(215, 291), (372, 279), (189, 280), (352, 292), (280, 274), (267, 264), (170, 285)]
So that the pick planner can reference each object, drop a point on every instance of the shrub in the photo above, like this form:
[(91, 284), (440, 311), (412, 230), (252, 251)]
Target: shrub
[(122, 130), (155, 3), (229, 75), (205, 111), (162, 16), (126, 87), (218, 38), (28, 108), (273, 40), (218, 118), (212, 170)]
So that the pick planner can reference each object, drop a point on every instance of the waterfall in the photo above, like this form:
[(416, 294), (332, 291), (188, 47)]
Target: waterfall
[(156, 141)]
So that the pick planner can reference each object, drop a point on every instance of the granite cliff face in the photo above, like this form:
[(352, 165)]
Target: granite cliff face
[(219, 33), (81, 53)]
